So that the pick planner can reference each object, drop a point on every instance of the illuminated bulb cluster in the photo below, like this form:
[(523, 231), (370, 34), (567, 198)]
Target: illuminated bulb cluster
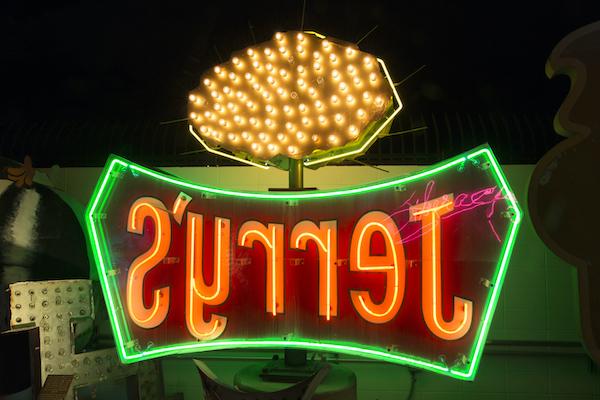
[(290, 96)]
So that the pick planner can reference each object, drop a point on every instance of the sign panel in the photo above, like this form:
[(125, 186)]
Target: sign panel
[(408, 270)]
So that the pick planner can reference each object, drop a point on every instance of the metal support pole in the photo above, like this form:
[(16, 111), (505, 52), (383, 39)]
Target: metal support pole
[(296, 174)]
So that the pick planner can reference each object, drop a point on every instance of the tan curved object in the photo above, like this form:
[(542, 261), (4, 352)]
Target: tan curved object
[(565, 185)]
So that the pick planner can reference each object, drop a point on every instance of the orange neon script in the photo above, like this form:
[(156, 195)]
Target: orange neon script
[(148, 207), (325, 236), (271, 237), (392, 263), (197, 291), (429, 214)]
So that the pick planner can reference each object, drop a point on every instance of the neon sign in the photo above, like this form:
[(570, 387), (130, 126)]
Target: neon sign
[(407, 271), (300, 95)]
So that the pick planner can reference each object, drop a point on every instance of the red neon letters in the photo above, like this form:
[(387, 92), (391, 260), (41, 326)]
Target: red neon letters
[(392, 263)]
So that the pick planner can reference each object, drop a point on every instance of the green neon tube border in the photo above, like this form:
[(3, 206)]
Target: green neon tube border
[(129, 354)]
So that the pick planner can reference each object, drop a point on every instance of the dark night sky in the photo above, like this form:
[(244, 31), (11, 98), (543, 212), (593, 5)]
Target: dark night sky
[(137, 61)]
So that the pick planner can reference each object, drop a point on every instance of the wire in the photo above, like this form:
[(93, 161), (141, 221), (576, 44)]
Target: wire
[(419, 129), (413, 379), (367, 34), (410, 76), (173, 121), (251, 28), (303, 11)]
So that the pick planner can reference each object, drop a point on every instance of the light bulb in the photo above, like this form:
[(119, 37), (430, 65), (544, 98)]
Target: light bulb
[(318, 104), (361, 113), (289, 126), (302, 107), (350, 99), (316, 55), (235, 61), (287, 109), (300, 135), (334, 99), (305, 121), (226, 90), (368, 62), (283, 73), (253, 121), (332, 57), (207, 82), (255, 64), (268, 122), (231, 136), (300, 69), (281, 137), (269, 108), (343, 87), (262, 136), (357, 81), (292, 149), (378, 101), (250, 105), (373, 77), (203, 129), (322, 120), (246, 135), (250, 52), (300, 37), (350, 51), (271, 147), (312, 92), (353, 130), (316, 66), (335, 74), (333, 138), (282, 50), (339, 118), (351, 69), (237, 119), (315, 138), (300, 49), (192, 97), (254, 146), (271, 80), (268, 52), (279, 36), (326, 44), (214, 94)]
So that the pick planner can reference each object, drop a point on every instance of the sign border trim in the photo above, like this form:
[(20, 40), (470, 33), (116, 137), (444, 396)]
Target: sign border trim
[(125, 344)]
